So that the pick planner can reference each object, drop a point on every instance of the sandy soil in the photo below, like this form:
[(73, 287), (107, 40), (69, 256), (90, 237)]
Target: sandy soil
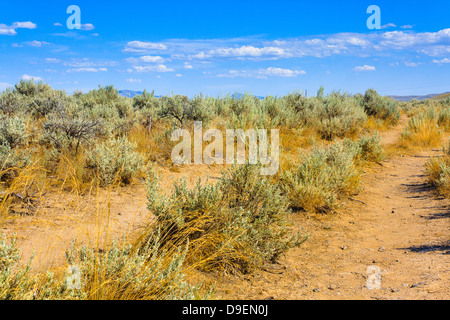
[(397, 223)]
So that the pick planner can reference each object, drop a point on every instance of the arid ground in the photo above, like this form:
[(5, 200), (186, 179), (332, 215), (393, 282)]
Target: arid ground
[(398, 223)]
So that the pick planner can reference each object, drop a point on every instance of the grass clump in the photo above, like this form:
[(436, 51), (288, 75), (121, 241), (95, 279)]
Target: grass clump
[(422, 130)]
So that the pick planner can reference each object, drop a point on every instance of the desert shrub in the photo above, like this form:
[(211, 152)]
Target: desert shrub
[(15, 279), (65, 133), (338, 116), (9, 102), (13, 131), (438, 170), (235, 225), (422, 130), (114, 160), (322, 177), (369, 148), (31, 88), (381, 107), (180, 109), (444, 119)]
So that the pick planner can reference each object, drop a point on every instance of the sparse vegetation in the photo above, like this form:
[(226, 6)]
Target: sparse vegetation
[(237, 223)]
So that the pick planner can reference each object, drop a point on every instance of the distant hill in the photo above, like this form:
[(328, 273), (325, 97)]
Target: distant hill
[(129, 93), (409, 98), (442, 96)]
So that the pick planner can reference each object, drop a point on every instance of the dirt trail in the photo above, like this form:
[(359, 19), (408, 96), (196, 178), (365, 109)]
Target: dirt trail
[(397, 223)]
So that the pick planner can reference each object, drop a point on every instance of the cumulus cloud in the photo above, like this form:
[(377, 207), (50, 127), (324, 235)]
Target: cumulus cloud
[(88, 70), (389, 25), (27, 77), (262, 73), (87, 27), (142, 47), (148, 59), (5, 85), (156, 68), (364, 68), (11, 30), (445, 60), (132, 80), (319, 46)]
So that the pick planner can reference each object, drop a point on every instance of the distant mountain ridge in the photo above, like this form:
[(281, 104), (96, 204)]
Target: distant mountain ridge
[(131, 94), (409, 98)]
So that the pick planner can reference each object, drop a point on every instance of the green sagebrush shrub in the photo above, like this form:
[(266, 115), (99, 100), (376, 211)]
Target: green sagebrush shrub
[(114, 160), (322, 177), (13, 134), (338, 115), (381, 107), (15, 280), (326, 174), (181, 109), (234, 225), (13, 131)]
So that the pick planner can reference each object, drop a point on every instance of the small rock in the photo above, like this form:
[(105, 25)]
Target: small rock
[(418, 285), (343, 247), (269, 298), (316, 290), (393, 211), (381, 249)]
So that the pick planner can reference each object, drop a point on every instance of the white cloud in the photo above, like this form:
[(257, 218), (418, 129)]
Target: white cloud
[(131, 80), (5, 85), (24, 25), (88, 70), (319, 46), (157, 68), (11, 30), (53, 60), (57, 24), (87, 27), (187, 65), (407, 26), (364, 68), (6, 30), (35, 43), (262, 73), (389, 25), (148, 59), (178, 75), (139, 46), (412, 64), (27, 77), (445, 60), (247, 51)]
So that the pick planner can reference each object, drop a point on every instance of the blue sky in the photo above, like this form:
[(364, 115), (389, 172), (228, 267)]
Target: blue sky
[(216, 47)]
